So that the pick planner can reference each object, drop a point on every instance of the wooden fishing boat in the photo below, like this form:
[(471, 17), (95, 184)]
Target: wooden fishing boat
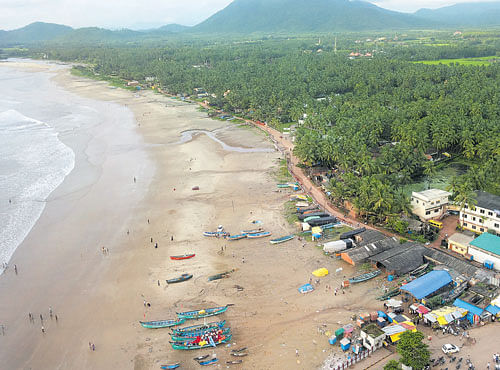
[(235, 362), (214, 234), (199, 327), (239, 349), (193, 315), (283, 186), (190, 337), (312, 208), (200, 358), (222, 275), (209, 362), (305, 216), (180, 279), (389, 294), (237, 237), (173, 366), (419, 269), (239, 354), (191, 345), (259, 235), (310, 218), (282, 239), (364, 277), (161, 323), (183, 257), (253, 231)]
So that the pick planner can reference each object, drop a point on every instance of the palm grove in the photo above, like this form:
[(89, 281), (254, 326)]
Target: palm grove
[(370, 120)]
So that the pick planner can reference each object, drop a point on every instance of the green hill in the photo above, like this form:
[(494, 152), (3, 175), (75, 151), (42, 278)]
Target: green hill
[(293, 16), (32, 33), (464, 15)]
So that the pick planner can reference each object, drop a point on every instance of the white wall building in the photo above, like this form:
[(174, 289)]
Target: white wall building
[(486, 248), (484, 216), (430, 203)]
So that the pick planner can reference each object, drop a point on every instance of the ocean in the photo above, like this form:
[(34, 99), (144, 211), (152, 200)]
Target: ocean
[(37, 118)]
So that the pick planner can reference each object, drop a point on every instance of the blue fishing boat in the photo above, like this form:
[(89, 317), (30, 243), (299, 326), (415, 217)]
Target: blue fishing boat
[(188, 337), (253, 231), (259, 235), (364, 277), (193, 315), (203, 345), (209, 362), (173, 366), (310, 218), (214, 234), (180, 279), (199, 328), (237, 237), (161, 324), (282, 239)]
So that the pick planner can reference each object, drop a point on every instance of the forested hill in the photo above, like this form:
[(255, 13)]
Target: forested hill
[(294, 16), (464, 15), (34, 32)]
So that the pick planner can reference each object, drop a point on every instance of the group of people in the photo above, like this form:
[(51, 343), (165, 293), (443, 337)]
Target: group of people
[(31, 318), (212, 336)]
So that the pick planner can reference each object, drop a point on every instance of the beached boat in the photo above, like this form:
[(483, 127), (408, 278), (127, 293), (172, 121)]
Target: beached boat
[(388, 295), (193, 315), (253, 231), (419, 269), (191, 345), (283, 186), (200, 358), (322, 221), (364, 277), (180, 279), (209, 362), (183, 257), (259, 235), (199, 328), (239, 354), (239, 349), (214, 234), (305, 216), (235, 362), (173, 366), (282, 239), (183, 338), (161, 323), (310, 218), (222, 275), (307, 209), (237, 237)]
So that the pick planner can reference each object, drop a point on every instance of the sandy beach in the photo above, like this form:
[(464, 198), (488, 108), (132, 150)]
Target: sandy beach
[(99, 298)]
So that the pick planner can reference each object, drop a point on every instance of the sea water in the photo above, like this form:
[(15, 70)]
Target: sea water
[(33, 161)]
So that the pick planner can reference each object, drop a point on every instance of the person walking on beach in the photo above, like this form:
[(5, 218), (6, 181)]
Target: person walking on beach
[(43, 330), (156, 245), (93, 347), (151, 239), (15, 269), (3, 330), (158, 282), (172, 238), (56, 318), (135, 180), (50, 312), (41, 318), (90, 345)]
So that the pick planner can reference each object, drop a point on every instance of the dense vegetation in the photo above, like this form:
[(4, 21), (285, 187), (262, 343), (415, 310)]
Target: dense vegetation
[(371, 120)]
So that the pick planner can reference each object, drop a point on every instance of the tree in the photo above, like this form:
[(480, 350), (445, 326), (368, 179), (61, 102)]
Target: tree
[(413, 352), (392, 365)]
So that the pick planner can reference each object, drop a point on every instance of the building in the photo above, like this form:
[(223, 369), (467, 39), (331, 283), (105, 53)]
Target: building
[(401, 259), (394, 331), (373, 337), (485, 249), (427, 285), (478, 301), (362, 252), (459, 243), (483, 217), (430, 203)]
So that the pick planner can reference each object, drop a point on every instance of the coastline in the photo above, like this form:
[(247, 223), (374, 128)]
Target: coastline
[(100, 298)]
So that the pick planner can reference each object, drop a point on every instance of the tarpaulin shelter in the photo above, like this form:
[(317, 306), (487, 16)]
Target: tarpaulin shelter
[(427, 284)]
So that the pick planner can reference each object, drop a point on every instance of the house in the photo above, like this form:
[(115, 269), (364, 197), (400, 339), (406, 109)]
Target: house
[(372, 336), (459, 243), (427, 285), (485, 216), (485, 249), (394, 331), (430, 203), (476, 300)]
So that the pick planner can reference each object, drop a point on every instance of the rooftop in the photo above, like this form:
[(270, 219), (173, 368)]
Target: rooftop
[(487, 200), (373, 330), (402, 258), (363, 252), (461, 238), (487, 242), (431, 194), (427, 284)]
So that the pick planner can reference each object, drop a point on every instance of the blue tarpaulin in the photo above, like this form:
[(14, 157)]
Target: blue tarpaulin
[(427, 284), (467, 306), (306, 288), (494, 310)]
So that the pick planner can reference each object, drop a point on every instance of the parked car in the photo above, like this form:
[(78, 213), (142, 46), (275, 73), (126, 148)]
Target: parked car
[(450, 348)]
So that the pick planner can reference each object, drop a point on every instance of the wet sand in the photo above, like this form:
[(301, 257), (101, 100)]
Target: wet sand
[(99, 298)]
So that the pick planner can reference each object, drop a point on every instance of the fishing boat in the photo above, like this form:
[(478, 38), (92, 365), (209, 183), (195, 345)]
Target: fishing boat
[(282, 239), (180, 279), (306, 215), (237, 237), (209, 362), (183, 257), (189, 337), (191, 345), (364, 277), (259, 235), (193, 315), (239, 349), (173, 366), (239, 354), (308, 209), (235, 362), (283, 186), (214, 234), (199, 328), (253, 231), (161, 323), (222, 275), (310, 218), (388, 295), (200, 358), (419, 269)]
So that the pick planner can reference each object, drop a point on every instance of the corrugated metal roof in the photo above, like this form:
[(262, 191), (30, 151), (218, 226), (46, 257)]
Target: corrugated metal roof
[(487, 242), (427, 284), (487, 200), (494, 310), (365, 251), (402, 258), (469, 307)]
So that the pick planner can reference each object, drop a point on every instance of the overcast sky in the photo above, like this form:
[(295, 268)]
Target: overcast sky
[(139, 14)]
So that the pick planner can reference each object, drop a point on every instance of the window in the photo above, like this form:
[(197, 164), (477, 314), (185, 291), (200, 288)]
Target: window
[(474, 227), (465, 216), (482, 230), (466, 207), (473, 219), (436, 210), (481, 211), (480, 220), (428, 212), (465, 224), (438, 201), (497, 226), (490, 213)]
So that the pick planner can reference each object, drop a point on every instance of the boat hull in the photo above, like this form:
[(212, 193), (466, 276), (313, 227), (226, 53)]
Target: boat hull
[(182, 338), (161, 323), (259, 235), (364, 277), (193, 315), (181, 346), (282, 240), (201, 327), (180, 279), (183, 257)]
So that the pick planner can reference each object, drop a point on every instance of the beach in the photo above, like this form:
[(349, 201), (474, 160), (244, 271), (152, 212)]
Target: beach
[(133, 181)]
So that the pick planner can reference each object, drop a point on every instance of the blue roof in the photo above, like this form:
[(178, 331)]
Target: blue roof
[(469, 307), (487, 242), (493, 309), (427, 284)]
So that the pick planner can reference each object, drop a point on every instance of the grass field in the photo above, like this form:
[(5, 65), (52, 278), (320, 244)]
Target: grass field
[(480, 61)]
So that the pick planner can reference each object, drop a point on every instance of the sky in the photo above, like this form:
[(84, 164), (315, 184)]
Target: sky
[(143, 14)]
